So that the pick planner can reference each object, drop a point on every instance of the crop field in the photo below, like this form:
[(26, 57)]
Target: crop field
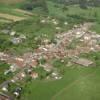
[(11, 17), (12, 13), (10, 1), (4, 20)]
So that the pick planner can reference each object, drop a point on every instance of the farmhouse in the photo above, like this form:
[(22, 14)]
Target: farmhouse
[(34, 75), (82, 61), (4, 97), (33, 63), (5, 31), (16, 40), (19, 62)]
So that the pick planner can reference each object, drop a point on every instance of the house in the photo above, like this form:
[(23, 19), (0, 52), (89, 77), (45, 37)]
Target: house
[(34, 75), (19, 62), (47, 67), (5, 89), (5, 97), (16, 40), (17, 92), (58, 28), (6, 31), (3, 56), (13, 68), (4, 86), (43, 21), (12, 33), (82, 61), (7, 72), (33, 63), (65, 23), (22, 36), (23, 75)]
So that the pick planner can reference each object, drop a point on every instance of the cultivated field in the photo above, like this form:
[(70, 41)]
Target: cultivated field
[(11, 1), (23, 11), (5, 21), (11, 17)]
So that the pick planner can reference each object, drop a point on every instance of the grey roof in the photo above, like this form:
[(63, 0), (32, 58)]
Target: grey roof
[(82, 61)]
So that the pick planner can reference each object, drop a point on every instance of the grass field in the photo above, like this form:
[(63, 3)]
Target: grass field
[(4, 20)]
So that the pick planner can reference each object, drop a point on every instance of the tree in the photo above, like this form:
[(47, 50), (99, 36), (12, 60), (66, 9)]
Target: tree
[(30, 5), (83, 4)]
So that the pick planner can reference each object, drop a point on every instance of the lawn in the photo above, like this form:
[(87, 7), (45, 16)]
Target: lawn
[(85, 88)]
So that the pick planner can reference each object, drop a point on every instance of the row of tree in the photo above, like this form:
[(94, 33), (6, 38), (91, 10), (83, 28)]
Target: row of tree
[(82, 3), (31, 4)]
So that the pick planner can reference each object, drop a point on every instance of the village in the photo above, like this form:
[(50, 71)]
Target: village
[(69, 44)]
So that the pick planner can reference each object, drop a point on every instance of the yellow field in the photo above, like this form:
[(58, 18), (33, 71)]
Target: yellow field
[(11, 17), (23, 11), (10, 1), (5, 21)]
